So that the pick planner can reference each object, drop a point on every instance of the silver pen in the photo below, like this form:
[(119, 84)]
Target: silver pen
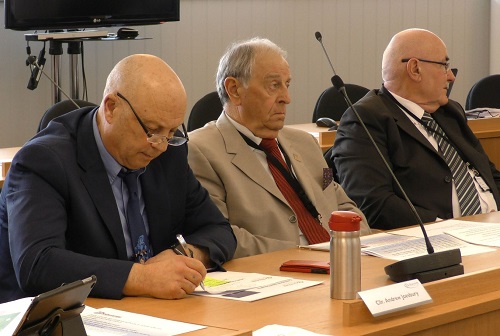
[(184, 250)]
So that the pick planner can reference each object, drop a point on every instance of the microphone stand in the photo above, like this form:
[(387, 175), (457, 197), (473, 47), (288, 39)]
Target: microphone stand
[(33, 61), (426, 268)]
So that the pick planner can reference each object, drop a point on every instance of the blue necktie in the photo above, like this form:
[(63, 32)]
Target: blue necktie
[(468, 198), (135, 222)]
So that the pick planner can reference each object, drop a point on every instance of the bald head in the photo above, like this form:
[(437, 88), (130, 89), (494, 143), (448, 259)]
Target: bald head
[(423, 77), (419, 43), (144, 75), (143, 96)]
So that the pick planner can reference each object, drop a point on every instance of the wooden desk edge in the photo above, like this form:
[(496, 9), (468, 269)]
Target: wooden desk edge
[(214, 331), (456, 289)]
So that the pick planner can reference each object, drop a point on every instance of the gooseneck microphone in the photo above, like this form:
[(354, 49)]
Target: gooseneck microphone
[(430, 267), (337, 82), (37, 72)]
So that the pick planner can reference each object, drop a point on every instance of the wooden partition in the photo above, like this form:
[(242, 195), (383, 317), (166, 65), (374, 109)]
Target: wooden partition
[(486, 130)]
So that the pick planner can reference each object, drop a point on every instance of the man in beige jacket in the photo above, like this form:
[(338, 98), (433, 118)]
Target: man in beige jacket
[(228, 159)]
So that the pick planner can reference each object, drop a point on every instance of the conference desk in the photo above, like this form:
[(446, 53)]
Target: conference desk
[(486, 130), (468, 304)]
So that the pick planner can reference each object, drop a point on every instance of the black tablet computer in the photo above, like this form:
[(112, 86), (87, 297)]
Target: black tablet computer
[(57, 312)]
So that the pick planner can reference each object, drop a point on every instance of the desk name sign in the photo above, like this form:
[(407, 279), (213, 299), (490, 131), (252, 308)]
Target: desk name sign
[(392, 298)]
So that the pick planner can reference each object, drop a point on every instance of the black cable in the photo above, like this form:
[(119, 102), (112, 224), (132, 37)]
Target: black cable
[(84, 78)]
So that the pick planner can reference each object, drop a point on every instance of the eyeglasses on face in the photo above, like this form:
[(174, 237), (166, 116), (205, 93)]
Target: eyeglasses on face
[(446, 65), (157, 139)]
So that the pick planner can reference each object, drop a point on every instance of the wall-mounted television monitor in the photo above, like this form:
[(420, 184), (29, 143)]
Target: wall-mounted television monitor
[(79, 14)]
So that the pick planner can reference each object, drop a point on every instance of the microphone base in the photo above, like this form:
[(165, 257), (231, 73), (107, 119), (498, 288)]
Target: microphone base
[(427, 268)]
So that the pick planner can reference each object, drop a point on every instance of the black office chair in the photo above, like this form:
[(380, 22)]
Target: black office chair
[(60, 108), (332, 104), (208, 108), (450, 85), (485, 93)]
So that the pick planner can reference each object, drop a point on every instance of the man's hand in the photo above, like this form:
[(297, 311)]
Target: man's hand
[(201, 253), (165, 276)]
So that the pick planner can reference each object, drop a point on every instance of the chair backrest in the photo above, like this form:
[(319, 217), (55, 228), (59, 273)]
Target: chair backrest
[(450, 85), (332, 104), (208, 108), (485, 93), (60, 108)]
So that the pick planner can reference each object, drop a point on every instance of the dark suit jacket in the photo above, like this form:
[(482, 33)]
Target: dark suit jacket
[(59, 214), (422, 172)]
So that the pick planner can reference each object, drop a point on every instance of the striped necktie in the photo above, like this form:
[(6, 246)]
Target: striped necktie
[(468, 198), (310, 227)]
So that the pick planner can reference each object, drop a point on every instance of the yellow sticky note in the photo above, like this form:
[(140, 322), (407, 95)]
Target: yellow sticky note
[(212, 282)]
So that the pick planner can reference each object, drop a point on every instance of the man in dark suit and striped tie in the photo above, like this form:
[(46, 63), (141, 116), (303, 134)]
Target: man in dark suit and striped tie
[(424, 137)]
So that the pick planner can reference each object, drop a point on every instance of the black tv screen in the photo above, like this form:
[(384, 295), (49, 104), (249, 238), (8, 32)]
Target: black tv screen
[(75, 14)]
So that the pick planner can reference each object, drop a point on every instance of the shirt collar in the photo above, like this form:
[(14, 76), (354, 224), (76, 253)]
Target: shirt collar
[(110, 164), (411, 106), (245, 131)]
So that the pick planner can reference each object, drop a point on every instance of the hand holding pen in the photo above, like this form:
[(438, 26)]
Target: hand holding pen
[(184, 250)]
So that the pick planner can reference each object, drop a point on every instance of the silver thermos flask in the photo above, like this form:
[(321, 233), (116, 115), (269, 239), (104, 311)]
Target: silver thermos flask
[(345, 255)]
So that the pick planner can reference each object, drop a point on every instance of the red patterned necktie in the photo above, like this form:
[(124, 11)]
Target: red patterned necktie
[(310, 227)]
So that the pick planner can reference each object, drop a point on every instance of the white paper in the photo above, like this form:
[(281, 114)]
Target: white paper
[(392, 298), (112, 322), (317, 247), (382, 238), (11, 314), (249, 286), (485, 234), (483, 112), (280, 330), (436, 228), (416, 247), (366, 241)]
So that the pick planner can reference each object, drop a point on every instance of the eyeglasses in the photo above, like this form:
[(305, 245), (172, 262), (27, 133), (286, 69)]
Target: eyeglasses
[(445, 64), (157, 139)]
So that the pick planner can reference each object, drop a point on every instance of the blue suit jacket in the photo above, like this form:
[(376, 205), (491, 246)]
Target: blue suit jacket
[(423, 173), (59, 214)]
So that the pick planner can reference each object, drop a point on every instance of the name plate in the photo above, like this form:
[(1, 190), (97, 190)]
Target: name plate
[(392, 298)]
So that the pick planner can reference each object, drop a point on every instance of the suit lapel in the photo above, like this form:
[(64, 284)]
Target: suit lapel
[(404, 123), (157, 205), (244, 158), (446, 119), (95, 179)]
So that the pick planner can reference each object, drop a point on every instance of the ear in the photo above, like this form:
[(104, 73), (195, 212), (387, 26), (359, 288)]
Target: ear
[(413, 69), (233, 89), (110, 107)]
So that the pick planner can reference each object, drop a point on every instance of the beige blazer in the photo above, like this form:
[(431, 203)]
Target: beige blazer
[(246, 193)]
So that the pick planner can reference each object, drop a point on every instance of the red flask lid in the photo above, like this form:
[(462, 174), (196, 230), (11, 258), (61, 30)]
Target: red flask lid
[(344, 221)]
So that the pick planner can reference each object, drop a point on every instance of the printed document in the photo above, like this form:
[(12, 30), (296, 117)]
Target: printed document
[(416, 247), (249, 286), (11, 314), (482, 234), (112, 322)]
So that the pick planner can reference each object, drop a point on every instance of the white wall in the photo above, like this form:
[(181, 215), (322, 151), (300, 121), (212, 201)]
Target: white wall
[(355, 33), (495, 37)]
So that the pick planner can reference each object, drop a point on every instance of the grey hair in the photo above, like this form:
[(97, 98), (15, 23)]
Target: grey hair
[(238, 61)]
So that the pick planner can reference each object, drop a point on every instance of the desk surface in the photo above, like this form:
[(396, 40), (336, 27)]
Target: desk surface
[(460, 304)]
